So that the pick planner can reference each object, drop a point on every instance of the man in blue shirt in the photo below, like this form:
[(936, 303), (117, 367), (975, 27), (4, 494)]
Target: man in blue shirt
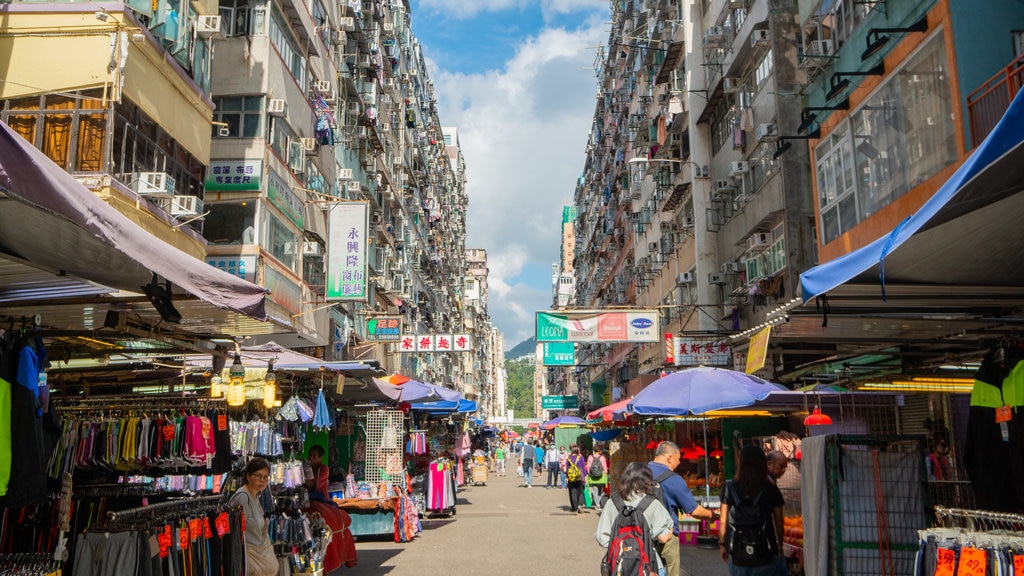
[(676, 496)]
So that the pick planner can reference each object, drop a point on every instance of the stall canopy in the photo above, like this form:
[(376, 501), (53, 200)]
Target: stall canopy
[(441, 407), (404, 389), (51, 223)]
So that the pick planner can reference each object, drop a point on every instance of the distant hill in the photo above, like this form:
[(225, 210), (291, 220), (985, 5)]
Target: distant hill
[(522, 349)]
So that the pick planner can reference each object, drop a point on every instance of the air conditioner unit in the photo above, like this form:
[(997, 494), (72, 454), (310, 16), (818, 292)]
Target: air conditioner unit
[(766, 132), (715, 278), (389, 82), (353, 107), (723, 185), (348, 23), (186, 206), (819, 48), (353, 186), (684, 278), (413, 72), (277, 107), (364, 61), (730, 84), (345, 174), (309, 144), (385, 127), (758, 241), (652, 246), (714, 36), (207, 26), (389, 27), (730, 267), (324, 86), (340, 38), (737, 168), (759, 38), (154, 184)]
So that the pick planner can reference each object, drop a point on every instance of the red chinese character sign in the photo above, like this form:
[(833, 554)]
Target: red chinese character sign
[(347, 248), (435, 343), (698, 352)]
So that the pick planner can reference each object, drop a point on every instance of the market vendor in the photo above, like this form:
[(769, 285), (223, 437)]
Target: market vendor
[(342, 549)]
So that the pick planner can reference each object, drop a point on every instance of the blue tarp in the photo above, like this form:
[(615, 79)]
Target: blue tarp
[(1007, 135), (461, 406)]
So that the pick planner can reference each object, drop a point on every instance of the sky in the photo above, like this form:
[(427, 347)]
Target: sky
[(516, 78)]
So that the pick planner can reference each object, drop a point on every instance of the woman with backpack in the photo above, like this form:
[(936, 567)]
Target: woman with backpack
[(751, 541), (575, 468), (630, 552), (597, 476)]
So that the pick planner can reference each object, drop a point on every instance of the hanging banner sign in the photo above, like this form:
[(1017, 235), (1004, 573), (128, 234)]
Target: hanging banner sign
[(757, 353), (346, 251), (625, 326), (559, 354), (435, 343), (384, 328), (559, 402), (698, 352)]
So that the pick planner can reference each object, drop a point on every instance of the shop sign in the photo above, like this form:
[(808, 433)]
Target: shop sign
[(347, 251), (559, 402), (233, 175), (242, 266), (757, 351), (384, 328), (700, 352), (559, 354), (625, 326), (282, 196), (283, 290), (435, 343)]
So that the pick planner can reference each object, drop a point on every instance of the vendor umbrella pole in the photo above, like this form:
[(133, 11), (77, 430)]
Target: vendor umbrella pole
[(707, 466)]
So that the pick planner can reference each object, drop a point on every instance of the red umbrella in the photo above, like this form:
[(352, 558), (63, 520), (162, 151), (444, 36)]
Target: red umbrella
[(615, 412)]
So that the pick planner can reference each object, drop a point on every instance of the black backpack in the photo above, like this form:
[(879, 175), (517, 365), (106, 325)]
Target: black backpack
[(596, 470), (658, 492), (631, 551), (749, 531)]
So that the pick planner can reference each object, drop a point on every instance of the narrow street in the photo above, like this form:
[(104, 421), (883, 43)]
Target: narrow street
[(505, 528)]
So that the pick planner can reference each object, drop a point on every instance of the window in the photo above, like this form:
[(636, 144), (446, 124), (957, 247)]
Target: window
[(280, 241), (280, 135), (234, 17), (764, 68), (762, 166), (771, 260), (282, 39), (242, 115), (73, 129), (900, 137), (231, 223)]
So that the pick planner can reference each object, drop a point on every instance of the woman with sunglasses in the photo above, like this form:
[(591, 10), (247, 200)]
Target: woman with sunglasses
[(259, 552)]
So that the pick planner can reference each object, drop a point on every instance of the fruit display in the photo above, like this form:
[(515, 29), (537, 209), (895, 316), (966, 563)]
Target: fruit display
[(793, 531), (695, 481)]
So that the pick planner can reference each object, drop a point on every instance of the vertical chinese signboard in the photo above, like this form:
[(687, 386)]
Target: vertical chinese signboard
[(347, 251)]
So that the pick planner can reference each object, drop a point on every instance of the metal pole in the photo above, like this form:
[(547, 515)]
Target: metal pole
[(707, 462)]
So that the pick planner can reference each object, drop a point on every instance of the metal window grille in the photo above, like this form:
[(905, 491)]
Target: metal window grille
[(384, 431)]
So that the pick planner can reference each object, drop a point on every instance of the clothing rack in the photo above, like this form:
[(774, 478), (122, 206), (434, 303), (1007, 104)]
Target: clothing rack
[(978, 520), (184, 503), (27, 564)]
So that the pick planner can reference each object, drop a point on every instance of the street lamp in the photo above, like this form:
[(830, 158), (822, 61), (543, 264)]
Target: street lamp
[(699, 171)]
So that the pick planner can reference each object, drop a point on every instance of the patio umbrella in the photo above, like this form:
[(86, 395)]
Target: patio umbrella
[(404, 389), (698, 391), (563, 420), (614, 412)]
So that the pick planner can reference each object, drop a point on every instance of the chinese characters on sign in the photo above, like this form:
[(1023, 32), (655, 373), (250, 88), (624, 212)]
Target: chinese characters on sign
[(384, 328), (242, 266), (234, 175), (559, 354), (282, 196), (435, 343), (692, 352), (346, 251)]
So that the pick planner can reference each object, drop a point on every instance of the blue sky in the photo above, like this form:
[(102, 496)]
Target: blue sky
[(515, 77)]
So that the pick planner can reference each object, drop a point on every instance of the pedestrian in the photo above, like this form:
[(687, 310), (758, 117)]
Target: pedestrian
[(777, 464), (259, 552), (754, 494), (597, 476), (563, 456), (551, 460), (676, 496), (635, 483), (526, 463), (538, 458), (499, 458), (575, 465)]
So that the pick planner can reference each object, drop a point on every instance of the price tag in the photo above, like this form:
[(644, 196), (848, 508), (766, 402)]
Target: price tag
[(972, 562), (223, 527), (164, 540), (1018, 565), (194, 528), (183, 538), (1004, 414), (222, 422), (207, 532), (945, 560)]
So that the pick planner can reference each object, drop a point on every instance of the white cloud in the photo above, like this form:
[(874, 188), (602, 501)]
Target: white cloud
[(523, 132), (468, 8)]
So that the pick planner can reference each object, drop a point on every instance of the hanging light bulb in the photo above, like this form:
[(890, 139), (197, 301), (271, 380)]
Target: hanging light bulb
[(816, 418), (236, 388), (270, 386), (216, 386)]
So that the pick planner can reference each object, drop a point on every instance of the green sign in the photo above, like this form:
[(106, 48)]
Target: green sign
[(233, 175), (559, 402), (559, 354)]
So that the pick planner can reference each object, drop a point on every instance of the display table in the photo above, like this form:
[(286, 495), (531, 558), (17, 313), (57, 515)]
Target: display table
[(370, 516)]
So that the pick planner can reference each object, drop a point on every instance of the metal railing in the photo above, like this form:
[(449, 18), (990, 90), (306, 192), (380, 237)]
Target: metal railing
[(986, 105)]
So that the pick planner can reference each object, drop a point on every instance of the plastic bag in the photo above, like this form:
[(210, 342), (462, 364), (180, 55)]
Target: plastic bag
[(519, 470)]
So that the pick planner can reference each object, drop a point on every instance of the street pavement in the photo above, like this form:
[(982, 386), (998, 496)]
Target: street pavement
[(504, 528)]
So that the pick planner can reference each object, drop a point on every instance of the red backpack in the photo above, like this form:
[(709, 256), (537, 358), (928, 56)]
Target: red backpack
[(631, 551)]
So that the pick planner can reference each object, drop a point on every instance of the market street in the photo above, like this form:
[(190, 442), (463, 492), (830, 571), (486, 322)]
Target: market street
[(505, 528)]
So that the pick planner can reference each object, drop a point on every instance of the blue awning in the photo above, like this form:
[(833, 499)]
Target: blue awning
[(987, 185), (461, 406)]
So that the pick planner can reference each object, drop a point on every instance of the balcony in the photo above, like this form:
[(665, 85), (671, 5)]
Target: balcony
[(986, 105)]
